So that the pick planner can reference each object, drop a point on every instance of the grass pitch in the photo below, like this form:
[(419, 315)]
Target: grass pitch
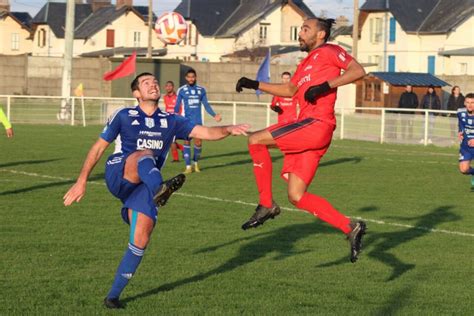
[(417, 257)]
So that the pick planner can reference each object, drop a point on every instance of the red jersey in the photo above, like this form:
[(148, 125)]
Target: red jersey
[(288, 106), (322, 64), (170, 103)]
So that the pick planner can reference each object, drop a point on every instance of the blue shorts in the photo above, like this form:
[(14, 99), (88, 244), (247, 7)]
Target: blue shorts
[(195, 119), (135, 196), (466, 153)]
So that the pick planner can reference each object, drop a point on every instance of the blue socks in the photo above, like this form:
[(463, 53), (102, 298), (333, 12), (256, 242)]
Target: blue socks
[(197, 153), (187, 154), (128, 266), (149, 173)]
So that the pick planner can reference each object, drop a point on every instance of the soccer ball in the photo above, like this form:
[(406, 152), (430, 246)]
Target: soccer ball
[(171, 28)]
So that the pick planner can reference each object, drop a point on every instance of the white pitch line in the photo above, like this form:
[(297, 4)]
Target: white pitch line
[(216, 199)]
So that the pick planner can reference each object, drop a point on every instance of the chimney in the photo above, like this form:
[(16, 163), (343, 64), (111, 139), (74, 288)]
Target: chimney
[(121, 3), (98, 4), (4, 5)]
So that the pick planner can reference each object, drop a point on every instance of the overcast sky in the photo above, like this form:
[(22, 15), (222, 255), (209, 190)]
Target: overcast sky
[(332, 8)]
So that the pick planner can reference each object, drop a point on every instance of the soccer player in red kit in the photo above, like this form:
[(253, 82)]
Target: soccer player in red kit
[(305, 141), (285, 107), (170, 102)]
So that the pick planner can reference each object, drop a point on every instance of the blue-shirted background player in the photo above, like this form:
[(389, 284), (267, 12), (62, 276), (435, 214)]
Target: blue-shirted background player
[(192, 97), (466, 136), (143, 136)]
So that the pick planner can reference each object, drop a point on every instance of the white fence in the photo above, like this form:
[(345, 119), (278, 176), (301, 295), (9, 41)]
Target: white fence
[(384, 125)]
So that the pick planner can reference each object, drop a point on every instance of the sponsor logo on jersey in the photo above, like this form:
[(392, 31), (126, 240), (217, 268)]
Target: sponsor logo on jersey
[(132, 113), (149, 144), (135, 122), (150, 133), (149, 122), (163, 123), (199, 92), (308, 68), (193, 92), (469, 121), (303, 80)]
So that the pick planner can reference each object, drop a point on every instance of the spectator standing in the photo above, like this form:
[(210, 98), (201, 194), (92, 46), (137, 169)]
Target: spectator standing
[(408, 100), (455, 102), (430, 101)]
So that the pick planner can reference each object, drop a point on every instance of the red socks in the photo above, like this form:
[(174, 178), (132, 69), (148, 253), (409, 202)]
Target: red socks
[(262, 168), (325, 211), (175, 154), (180, 147)]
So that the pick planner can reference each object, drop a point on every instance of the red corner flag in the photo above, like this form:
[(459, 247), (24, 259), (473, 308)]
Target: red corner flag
[(127, 67)]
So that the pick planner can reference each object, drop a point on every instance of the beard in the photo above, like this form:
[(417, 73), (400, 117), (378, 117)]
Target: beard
[(304, 47)]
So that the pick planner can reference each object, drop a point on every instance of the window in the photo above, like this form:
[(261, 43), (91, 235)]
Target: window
[(294, 33), (373, 91), (263, 31), (136, 39), (391, 63), (15, 41), (463, 68), (375, 26), (42, 38), (431, 64), (110, 41), (393, 29)]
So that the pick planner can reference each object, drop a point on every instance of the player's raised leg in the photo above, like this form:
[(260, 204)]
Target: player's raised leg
[(262, 168), (141, 227), (140, 166), (321, 208), (197, 153)]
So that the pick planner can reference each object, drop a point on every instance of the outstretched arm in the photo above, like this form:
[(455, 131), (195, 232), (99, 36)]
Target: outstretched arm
[(278, 89), (77, 191), (218, 132)]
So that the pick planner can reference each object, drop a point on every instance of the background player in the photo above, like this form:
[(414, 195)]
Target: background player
[(6, 123), (133, 172), (285, 107), (170, 101), (466, 136), (193, 97), (305, 141)]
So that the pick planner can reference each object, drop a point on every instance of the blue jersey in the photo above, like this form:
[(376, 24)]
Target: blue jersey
[(192, 97), (134, 130), (466, 126)]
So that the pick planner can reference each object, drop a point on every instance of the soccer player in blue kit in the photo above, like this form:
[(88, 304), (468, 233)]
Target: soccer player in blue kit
[(466, 135), (193, 96), (143, 136)]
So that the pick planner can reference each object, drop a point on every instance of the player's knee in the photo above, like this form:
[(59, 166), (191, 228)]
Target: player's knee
[(464, 169), (254, 139), (294, 196), (141, 239)]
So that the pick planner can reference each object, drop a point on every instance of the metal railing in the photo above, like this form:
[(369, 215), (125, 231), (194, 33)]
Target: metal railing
[(384, 125)]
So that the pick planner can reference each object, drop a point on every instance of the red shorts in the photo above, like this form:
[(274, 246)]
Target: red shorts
[(303, 144)]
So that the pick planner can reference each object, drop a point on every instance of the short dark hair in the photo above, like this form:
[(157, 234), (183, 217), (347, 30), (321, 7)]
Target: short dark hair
[(190, 71), (469, 96), (134, 84), (286, 73), (170, 82), (325, 25)]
